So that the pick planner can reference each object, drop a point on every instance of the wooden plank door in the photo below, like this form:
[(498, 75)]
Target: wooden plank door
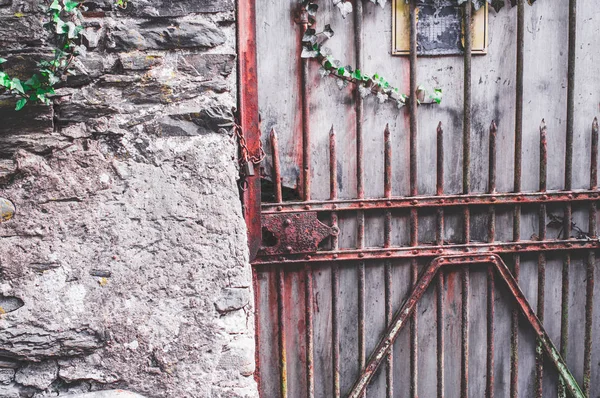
[(362, 200)]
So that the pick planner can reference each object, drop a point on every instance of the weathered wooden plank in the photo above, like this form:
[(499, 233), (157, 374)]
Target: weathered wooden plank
[(322, 326)]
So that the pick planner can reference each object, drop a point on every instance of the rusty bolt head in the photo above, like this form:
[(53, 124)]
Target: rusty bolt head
[(570, 196), (442, 200), (288, 249), (335, 256), (493, 199), (361, 255), (279, 208), (415, 252), (307, 207), (518, 247), (414, 202), (287, 222), (467, 200), (388, 254), (308, 257), (440, 251), (544, 197), (388, 203), (334, 206), (361, 204)]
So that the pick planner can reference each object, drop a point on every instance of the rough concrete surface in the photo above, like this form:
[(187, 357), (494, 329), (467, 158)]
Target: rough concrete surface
[(125, 262)]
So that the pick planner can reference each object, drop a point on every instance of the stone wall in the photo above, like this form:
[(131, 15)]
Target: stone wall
[(125, 264)]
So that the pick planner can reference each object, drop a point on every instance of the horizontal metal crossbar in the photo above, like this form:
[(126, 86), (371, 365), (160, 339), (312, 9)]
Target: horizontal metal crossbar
[(433, 201), (430, 251)]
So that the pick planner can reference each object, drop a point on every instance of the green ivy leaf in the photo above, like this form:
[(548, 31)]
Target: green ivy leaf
[(70, 5), (16, 85), (2, 60), (20, 104), (55, 6)]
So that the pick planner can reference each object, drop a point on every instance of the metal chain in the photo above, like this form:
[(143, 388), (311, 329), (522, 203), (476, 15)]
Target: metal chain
[(245, 157)]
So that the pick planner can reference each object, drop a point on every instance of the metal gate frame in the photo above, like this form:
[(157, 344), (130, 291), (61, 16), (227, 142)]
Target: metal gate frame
[(294, 219)]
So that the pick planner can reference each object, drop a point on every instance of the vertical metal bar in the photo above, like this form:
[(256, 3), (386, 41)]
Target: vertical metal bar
[(464, 383), (276, 167), (440, 317), (591, 263), (568, 216), (335, 331), (388, 265), (333, 185), (308, 302), (491, 289), (492, 181), (388, 321), (468, 35), (387, 184), (414, 215), (282, 339), (362, 352), (514, 363), (306, 147), (439, 238), (358, 42), (539, 358), (249, 118)]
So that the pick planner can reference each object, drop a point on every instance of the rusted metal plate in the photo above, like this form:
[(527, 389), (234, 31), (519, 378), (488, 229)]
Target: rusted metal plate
[(293, 233)]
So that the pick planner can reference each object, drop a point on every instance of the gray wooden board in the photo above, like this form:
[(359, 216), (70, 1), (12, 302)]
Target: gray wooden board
[(493, 82)]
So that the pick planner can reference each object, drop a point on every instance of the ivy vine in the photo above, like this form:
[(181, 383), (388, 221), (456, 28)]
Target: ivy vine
[(367, 84), (63, 21)]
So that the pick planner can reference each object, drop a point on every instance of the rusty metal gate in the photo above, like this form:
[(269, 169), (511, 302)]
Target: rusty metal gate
[(398, 256)]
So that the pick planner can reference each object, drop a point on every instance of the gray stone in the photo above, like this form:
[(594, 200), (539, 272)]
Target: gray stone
[(166, 35), (107, 394), (176, 8), (38, 375), (6, 376), (233, 299), (9, 303), (7, 211), (208, 66), (139, 61)]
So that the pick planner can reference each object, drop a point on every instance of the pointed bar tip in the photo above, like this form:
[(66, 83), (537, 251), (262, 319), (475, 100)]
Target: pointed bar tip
[(440, 128), (543, 125), (493, 126), (595, 124), (331, 131), (273, 133), (387, 129)]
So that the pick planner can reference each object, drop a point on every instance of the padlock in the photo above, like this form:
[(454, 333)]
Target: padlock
[(249, 169)]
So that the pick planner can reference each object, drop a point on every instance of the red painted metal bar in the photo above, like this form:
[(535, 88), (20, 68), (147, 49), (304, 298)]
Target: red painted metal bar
[(335, 330), (417, 292), (591, 264), (308, 303), (539, 359), (389, 313), (282, 336), (304, 95), (425, 251), (276, 167), (414, 215), (439, 239), (465, 289), (434, 201), (248, 111)]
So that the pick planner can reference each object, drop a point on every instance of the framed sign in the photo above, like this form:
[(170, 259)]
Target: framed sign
[(440, 28)]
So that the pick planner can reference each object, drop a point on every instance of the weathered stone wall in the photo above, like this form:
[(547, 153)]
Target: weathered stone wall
[(125, 265)]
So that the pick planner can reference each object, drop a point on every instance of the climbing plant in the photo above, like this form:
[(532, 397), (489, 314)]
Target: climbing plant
[(367, 83), (63, 21)]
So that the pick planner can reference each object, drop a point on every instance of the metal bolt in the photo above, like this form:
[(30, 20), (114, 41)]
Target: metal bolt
[(308, 257), (287, 222), (414, 202), (307, 207), (388, 203), (334, 206), (335, 256), (288, 249), (361, 255), (388, 254), (279, 208)]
